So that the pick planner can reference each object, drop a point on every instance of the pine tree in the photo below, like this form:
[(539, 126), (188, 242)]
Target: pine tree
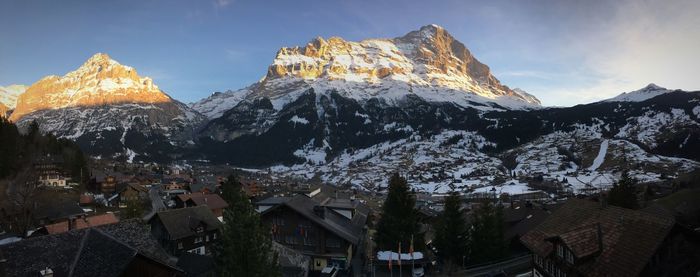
[(451, 232), (486, 234), (245, 247), (399, 219), (623, 194)]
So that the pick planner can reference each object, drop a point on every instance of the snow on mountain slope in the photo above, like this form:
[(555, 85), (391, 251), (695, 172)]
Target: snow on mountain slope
[(106, 107), (431, 164), (428, 63), (9, 94), (601, 156), (219, 102), (99, 81), (650, 91)]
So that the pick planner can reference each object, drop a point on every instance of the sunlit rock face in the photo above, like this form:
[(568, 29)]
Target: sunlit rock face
[(99, 81), (421, 61), (109, 110)]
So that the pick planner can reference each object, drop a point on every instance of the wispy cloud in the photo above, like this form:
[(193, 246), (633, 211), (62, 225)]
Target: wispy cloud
[(528, 74), (222, 3)]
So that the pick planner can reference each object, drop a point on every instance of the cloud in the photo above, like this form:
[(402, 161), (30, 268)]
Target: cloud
[(644, 42), (627, 46), (222, 3), (527, 73)]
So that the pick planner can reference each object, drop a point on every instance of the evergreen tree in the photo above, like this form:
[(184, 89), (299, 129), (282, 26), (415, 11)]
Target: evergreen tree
[(623, 194), (486, 235), (399, 219), (245, 247), (451, 232)]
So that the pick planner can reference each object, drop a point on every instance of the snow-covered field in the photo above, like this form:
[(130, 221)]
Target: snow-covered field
[(455, 159)]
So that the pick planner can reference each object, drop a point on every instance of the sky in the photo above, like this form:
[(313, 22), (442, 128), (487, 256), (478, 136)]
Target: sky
[(564, 52)]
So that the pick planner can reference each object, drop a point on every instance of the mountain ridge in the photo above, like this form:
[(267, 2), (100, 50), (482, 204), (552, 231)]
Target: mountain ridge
[(428, 62), (109, 110)]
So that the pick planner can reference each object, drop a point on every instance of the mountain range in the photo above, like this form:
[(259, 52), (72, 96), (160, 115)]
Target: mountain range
[(335, 109)]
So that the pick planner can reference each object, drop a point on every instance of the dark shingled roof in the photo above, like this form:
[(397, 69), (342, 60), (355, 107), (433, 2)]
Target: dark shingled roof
[(196, 265), (137, 234), (179, 222), (349, 230), (102, 251), (101, 255), (626, 241), (213, 201), (58, 210)]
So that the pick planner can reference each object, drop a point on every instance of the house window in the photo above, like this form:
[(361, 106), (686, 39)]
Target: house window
[(278, 221), (214, 235), (179, 245), (332, 242), (560, 251), (198, 240), (206, 238)]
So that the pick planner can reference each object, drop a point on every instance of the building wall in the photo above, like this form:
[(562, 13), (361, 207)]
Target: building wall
[(321, 245), (180, 246)]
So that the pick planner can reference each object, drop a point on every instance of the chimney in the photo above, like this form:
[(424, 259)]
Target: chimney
[(47, 272)]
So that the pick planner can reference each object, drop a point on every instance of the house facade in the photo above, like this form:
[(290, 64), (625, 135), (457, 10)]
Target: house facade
[(328, 237), (50, 171), (193, 230)]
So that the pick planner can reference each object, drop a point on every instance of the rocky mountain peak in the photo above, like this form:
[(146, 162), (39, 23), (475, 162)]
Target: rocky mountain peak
[(99, 81), (425, 59)]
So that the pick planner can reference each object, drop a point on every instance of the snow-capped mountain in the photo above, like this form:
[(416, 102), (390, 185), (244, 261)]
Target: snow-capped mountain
[(8, 97), (107, 108), (643, 94), (324, 106), (428, 63)]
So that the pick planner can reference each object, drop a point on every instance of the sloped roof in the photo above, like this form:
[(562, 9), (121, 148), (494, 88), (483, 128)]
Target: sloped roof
[(180, 222), (102, 251), (349, 230), (82, 223), (213, 201), (101, 255), (628, 238), (195, 264), (583, 241)]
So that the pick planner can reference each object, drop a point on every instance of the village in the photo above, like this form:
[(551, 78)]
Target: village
[(169, 217)]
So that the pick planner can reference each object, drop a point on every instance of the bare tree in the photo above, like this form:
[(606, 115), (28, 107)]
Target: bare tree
[(22, 192)]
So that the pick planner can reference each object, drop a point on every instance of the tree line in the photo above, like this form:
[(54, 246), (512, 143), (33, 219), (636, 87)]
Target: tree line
[(20, 150)]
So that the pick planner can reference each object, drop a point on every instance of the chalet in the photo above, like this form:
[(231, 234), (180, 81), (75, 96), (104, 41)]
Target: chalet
[(192, 230), (213, 201), (585, 238), (50, 171), (173, 183), (109, 185), (130, 192), (123, 249), (251, 189), (328, 230)]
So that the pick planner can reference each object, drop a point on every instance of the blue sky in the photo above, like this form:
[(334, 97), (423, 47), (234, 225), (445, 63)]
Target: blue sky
[(564, 52)]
